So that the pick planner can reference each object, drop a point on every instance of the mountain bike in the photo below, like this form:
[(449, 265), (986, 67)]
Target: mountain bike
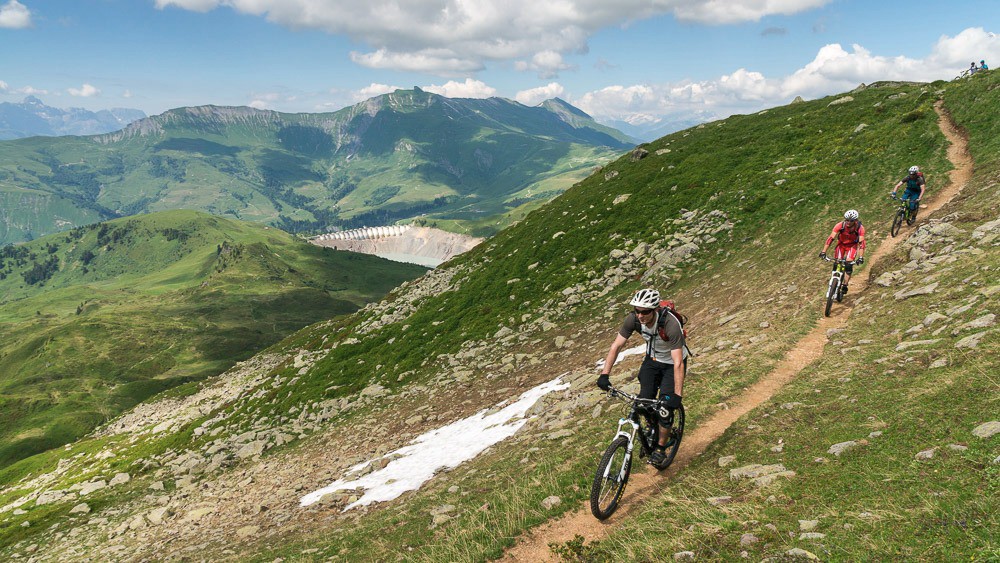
[(835, 290), (903, 213), (643, 423)]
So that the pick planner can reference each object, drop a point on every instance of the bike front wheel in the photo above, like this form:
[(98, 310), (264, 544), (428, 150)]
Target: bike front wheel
[(610, 480), (831, 294), (897, 222)]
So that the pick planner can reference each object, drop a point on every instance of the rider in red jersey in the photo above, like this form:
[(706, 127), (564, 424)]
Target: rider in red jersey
[(850, 235)]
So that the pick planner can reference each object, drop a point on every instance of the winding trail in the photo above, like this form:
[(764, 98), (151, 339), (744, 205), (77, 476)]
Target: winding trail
[(645, 481)]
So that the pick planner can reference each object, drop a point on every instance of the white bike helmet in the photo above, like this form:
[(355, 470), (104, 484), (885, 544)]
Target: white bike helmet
[(646, 298), (914, 169), (851, 215)]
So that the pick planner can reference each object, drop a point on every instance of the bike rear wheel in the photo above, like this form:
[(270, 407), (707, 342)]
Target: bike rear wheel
[(610, 480), (897, 222), (831, 294), (675, 432)]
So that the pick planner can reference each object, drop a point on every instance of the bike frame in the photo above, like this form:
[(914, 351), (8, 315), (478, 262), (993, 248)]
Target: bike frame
[(632, 420), (840, 268), (904, 206), (838, 273)]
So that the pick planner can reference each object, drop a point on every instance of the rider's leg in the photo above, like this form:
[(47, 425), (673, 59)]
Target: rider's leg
[(911, 197), (843, 253), (650, 379), (667, 388)]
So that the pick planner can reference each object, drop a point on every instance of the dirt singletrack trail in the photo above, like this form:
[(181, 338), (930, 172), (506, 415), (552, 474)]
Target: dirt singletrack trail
[(645, 481)]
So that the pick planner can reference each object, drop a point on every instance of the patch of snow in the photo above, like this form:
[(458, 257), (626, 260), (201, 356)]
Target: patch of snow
[(636, 351), (443, 448)]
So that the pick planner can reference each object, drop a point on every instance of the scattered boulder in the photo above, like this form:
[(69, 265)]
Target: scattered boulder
[(801, 553), (551, 502), (925, 290), (971, 341), (761, 475), (987, 430), (841, 447), (87, 488)]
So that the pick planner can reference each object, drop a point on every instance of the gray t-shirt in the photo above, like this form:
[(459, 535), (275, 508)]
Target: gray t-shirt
[(656, 347)]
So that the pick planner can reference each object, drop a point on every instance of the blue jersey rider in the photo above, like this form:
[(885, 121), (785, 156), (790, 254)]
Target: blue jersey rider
[(915, 186)]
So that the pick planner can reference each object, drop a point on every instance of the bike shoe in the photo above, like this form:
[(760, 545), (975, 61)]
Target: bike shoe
[(658, 457), (843, 290)]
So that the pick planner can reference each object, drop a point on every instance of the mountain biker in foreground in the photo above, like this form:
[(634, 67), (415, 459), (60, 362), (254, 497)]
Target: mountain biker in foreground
[(850, 235), (915, 186), (665, 362)]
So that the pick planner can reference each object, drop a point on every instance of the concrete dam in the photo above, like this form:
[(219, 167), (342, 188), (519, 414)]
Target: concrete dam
[(403, 243)]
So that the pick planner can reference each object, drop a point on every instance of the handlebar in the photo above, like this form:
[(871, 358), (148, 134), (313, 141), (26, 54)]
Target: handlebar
[(619, 394), (840, 260)]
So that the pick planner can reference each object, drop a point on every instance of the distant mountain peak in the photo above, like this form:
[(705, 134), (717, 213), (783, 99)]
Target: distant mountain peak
[(32, 118)]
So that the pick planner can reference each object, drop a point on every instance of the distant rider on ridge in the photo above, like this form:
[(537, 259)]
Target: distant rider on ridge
[(850, 235), (665, 362)]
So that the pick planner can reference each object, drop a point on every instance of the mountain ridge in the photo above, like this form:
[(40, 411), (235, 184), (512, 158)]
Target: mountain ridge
[(391, 158)]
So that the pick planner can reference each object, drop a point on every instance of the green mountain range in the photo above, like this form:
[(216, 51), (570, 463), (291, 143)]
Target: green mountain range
[(97, 319), (868, 435), (393, 157)]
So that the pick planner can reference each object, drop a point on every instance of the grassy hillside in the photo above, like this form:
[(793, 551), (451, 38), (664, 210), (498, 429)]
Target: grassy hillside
[(97, 319), (393, 157), (727, 218)]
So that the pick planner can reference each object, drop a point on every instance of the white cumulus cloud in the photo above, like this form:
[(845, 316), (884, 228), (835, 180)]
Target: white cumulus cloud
[(547, 64), (468, 89), (85, 91), (439, 61), (31, 91), (832, 70), (460, 36), (372, 90), (14, 15), (535, 96)]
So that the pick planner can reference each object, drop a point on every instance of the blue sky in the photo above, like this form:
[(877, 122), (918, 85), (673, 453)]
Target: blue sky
[(632, 60)]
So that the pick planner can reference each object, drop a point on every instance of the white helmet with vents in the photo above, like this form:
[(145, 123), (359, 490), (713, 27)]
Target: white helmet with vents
[(646, 298), (851, 215), (914, 169)]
